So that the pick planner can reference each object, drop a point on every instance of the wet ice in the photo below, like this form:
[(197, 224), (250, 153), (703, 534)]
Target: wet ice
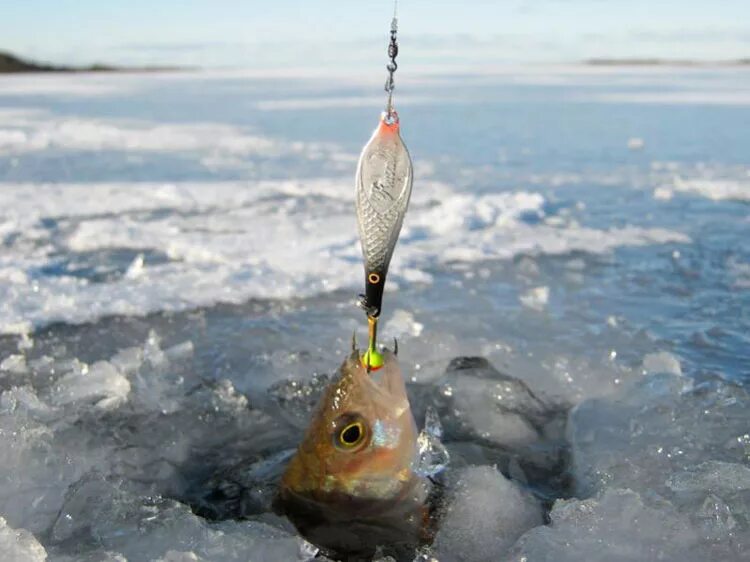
[(599, 291)]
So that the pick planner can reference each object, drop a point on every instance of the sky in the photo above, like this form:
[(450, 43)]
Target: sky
[(320, 34)]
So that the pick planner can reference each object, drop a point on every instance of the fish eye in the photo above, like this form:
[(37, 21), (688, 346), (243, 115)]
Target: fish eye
[(351, 433)]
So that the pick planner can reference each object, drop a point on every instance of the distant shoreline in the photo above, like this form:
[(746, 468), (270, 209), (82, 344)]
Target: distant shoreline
[(663, 62), (11, 64)]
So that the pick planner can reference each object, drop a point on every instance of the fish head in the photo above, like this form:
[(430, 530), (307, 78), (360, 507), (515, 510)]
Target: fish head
[(362, 440)]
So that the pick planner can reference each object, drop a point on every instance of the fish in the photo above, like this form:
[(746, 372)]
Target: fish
[(383, 189), (351, 486)]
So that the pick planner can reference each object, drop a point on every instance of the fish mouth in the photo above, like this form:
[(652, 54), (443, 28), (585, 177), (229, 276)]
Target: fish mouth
[(385, 384)]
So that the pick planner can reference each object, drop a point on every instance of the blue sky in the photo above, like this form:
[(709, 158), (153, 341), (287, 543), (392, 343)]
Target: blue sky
[(324, 33)]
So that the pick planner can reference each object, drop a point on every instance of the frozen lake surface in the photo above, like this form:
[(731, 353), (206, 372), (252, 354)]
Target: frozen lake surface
[(177, 247)]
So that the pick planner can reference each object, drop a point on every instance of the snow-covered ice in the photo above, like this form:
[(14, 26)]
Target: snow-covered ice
[(178, 269), (486, 515)]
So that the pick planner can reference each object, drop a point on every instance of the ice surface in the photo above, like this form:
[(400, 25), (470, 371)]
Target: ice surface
[(109, 430), (716, 182), (661, 362), (660, 427), (18, 545), (37, 131), (485, 516), (230, 241), (618, 526), (150, 527)]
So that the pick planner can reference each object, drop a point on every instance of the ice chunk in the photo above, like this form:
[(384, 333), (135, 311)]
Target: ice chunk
[(659, 435), (432, 457), (101, 382), (636, 143), (402, 323), (617, 526), (536, 298), (478, 400), (14, 363), (713, 476), (663, 193), (115, 516), (36, 469), (135, 269), (486, 515), (425, 554), (128, 360), (152, 351), (227, 395), (18, 545), (297, 399), (661, 362), (715, 518), (180, 351), (24, 399), (177, 556)]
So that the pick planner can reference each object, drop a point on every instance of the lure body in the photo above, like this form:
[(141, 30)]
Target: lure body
[(383, 183)]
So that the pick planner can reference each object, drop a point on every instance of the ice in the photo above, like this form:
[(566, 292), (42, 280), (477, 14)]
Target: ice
[(176, 556), (636, 143), (433, 457), (486, 514), (297, 399), (152, 527), (14, 363), (18, 545), (402, 323), (100, 383), (229, 242), (35, 469), (660, 427), (294, 104), (695, 97), (619, 526), (718, 182), (714, 476), (715, 189), (680, 445), (178, 289), (536, 298), (661, 362), (39, 131), (475, 399)]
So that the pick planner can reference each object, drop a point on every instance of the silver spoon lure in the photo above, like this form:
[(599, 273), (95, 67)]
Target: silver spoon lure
[(383, 188)]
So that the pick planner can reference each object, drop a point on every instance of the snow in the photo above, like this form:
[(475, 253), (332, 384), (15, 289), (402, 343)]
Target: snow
[(19, 545), (712, 181), (486, 515), (228, 242)]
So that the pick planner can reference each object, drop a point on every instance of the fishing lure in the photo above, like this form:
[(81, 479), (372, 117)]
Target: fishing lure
[(383, 184)]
